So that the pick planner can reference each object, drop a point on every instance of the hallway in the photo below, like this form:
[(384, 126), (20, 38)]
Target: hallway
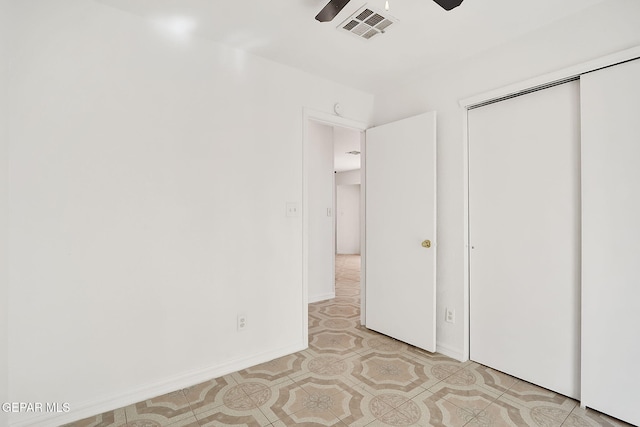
[(350, 376)]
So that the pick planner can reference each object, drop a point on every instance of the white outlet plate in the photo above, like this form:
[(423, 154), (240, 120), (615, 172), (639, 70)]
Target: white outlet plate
[(242, 322), (292, 209), (449, 315)]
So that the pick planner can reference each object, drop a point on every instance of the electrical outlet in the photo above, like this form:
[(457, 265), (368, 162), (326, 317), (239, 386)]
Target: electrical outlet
[(292, 209), (449, 315), (242, 322)]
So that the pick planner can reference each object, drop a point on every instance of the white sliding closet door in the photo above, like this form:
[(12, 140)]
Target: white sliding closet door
[(524, 225), (611, 240)]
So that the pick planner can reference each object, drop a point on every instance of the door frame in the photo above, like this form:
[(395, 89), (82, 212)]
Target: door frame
[(510, 91), (309, 114)]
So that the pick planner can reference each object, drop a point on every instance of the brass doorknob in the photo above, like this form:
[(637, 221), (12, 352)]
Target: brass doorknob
[(426, 244)]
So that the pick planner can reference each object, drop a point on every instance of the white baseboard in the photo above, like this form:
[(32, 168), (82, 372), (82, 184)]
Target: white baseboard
[(167, 385), (321, 297), (451, 352)]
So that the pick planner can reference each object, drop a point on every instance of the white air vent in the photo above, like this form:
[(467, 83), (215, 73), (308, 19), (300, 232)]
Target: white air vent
[(367, 23)]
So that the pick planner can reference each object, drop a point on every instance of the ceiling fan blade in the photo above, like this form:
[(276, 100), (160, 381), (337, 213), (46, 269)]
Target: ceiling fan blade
[(331, 10), (449, 4)]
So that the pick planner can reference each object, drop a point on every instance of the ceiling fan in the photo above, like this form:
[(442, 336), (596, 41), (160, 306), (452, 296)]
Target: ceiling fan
[(335, 6)]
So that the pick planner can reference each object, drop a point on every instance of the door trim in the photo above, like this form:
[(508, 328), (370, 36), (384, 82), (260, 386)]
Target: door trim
[(331, 120)]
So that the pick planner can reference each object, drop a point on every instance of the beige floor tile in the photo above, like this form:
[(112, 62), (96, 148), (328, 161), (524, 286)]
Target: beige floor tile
[(340, 311), (115, 418), (505, 413), (273, 372), (472, 378), (223, 416), (581, 417), (336, 342), (249, 401), (348, 299), (450, 372), (358, 413), (318, 353), (168, 409), (326, 367), (154, 421), (372, 341), (209, 395), (431, 358), (312, 383), (406, 414), (338, 323), (529, 395), (315, 402), (381, 372), (349, 405), (495, 381), (347, 293), (472, 397), (314, 322), (306, 424), (436, 411)]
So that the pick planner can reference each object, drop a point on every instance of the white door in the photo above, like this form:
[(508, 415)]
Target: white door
[(524, 231), (611, 240), (400, 216)]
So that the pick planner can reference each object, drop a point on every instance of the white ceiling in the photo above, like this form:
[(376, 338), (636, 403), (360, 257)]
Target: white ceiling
[(425, 36)]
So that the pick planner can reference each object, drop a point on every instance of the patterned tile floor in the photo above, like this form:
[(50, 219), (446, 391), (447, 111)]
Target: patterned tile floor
[(351, 376)]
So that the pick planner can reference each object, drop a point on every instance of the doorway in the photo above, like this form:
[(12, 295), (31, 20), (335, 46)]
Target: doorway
[(334, 204), (398, 290), (334, 182), (323, 170), (346, 164)]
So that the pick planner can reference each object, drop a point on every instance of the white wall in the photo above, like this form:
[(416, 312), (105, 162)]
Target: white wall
[(348, 178), (148, 178), (4, 208), (348, 219), (321, 212), (346, 140), (605, 28), (348, 227)]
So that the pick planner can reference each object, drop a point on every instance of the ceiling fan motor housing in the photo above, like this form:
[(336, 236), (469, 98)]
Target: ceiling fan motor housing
[(334, 7), (331, 10), (449, 4)]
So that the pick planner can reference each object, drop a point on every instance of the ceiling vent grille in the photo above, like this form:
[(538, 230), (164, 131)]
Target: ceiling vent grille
[(367, 23)]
